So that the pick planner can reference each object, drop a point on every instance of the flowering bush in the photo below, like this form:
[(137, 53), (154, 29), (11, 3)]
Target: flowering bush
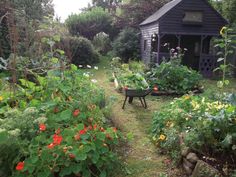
[(206, 126), (172, 77), (57, 125)]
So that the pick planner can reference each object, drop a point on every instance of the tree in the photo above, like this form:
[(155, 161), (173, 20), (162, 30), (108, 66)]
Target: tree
[(34, 9), (226, 8), (89, 23), (126, 46), (111, 5), (134, 12), (229, 10)]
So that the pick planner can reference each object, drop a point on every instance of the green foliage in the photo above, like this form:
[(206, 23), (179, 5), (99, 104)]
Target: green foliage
[(129, 76), (80, 50), (226, 8), (133, 12), (206, 126), (102, 43), (226, 46), (126, 46), (89, 23), (70, 109), (169, 76)]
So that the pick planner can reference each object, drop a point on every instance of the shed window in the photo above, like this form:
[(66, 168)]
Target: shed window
[(145, 45), (193, 17)]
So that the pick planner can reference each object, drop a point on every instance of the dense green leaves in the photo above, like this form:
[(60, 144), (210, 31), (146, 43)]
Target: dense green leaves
[(206, 126), (171, 77), (89, 23), (126, 45), (80, 50)]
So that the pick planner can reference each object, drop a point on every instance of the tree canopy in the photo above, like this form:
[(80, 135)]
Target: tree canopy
[(89, 23)]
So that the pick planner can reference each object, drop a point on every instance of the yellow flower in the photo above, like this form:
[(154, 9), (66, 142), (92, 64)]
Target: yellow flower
[(195, 105), (186, 97), (162, 137), (169, 124), (1, 98), (222, 31)]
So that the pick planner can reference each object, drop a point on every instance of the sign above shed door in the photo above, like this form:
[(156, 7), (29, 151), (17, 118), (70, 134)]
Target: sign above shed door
[(193, 17)]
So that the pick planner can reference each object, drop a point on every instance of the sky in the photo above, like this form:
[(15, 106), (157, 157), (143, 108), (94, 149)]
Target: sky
[(63, 8)]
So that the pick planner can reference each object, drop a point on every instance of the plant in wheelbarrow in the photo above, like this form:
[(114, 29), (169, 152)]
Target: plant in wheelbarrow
[(134, 85)]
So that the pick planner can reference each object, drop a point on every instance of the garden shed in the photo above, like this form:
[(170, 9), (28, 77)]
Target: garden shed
[(189, 24)]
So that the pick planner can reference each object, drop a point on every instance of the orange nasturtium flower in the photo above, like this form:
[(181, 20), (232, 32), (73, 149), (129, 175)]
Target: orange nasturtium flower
[(42, 127), (76, 112), (20, 166), (51, 146), (114, 129), (57, 139), (155, 88), (162, 137), (186, 97)]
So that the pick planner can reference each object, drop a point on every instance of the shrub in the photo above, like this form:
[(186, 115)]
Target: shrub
[(206, 126), (171, 77), (80, 50), (127, 46), (58, 126), (90, 23), (102, 43)]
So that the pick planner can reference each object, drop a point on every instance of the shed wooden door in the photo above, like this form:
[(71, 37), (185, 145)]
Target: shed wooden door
[(192, 55)]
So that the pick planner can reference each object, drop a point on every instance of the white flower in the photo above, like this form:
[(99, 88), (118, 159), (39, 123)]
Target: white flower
[(165, 44), (88, 66), (185, 49), (86, 74), (94, 80), (95, 67), (172, 50), (80, 66), (178, 48)]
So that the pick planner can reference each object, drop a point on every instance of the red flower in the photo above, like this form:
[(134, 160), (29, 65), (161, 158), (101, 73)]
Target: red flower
[(95, 126), (57, 139), (76, 112), (114, 129), (102, 129), (108, 137), (51, 146), (82, 132), (72, 156), (42, 127), (155, 88), (20, 166)]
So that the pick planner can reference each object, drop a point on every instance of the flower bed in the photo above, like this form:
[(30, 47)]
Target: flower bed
[(56, 128), (206, 126), (172, 78)]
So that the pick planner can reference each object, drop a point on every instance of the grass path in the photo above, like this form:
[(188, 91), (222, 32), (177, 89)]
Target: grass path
[(140, 154)]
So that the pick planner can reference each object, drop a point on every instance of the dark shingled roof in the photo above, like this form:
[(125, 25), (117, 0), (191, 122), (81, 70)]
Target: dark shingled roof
[(162, 11)]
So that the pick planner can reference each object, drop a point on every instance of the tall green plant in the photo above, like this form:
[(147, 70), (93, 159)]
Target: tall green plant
[(226, 45)]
